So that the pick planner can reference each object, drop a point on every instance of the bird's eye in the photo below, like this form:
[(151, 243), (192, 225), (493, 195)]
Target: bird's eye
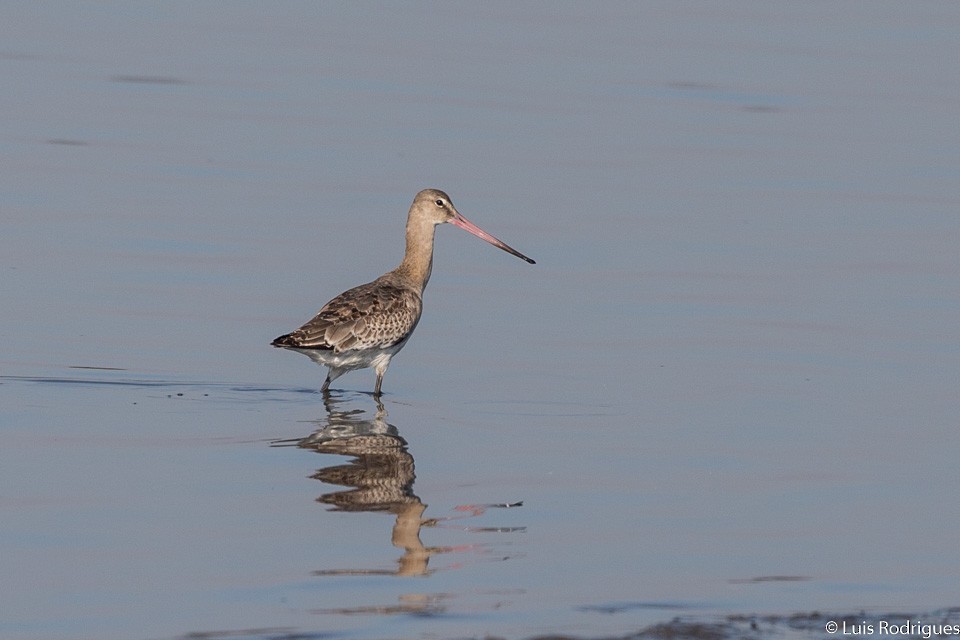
[(440, 203)]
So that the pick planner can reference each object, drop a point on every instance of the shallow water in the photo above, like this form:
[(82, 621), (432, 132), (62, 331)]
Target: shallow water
[(723, 402)]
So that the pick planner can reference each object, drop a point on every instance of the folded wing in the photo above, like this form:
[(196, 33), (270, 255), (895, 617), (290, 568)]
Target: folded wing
[(373, 315)]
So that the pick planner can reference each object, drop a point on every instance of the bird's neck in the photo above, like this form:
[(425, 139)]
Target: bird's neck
[(418, 260)]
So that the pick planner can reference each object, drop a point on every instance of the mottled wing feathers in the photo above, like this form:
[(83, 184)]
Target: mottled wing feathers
[(374, 315)]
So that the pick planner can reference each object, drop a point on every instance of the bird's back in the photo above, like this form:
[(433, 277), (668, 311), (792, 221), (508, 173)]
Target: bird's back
[(376, 315)]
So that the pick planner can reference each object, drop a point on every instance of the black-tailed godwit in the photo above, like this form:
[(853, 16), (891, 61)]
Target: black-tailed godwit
[(367, 325)]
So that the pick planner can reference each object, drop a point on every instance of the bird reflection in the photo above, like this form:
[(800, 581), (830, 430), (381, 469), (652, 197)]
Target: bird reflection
[(380, 477)]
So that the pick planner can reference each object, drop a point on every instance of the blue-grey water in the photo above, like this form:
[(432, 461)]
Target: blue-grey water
[(726, 394)]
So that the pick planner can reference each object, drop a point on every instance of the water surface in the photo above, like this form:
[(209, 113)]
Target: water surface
[(726, 394)]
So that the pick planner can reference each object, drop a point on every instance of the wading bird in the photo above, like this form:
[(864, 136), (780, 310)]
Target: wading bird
[(367, 325)]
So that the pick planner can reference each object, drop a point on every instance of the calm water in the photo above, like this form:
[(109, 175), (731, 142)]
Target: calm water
[(727, 392)]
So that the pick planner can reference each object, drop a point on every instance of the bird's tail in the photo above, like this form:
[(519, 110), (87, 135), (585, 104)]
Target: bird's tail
[(286, 340)]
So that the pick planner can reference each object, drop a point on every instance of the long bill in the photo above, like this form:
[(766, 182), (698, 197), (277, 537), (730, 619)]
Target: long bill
[(466, 225)]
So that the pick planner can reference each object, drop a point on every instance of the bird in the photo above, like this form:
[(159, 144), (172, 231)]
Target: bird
[(366, 326)]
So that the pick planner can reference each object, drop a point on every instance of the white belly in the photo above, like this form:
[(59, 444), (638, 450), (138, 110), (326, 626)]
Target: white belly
[(352, 359)]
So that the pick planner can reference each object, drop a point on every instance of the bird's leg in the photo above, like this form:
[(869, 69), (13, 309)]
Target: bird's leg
[(326, 385), (380, 368)]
